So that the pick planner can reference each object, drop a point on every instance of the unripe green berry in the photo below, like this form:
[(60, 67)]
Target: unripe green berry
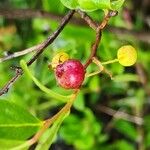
[(127, 55)]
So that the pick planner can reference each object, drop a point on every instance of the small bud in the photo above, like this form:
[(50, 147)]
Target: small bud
[(59, 58)]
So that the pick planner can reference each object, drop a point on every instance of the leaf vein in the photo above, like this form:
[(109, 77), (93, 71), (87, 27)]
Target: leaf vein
[(20, 125)]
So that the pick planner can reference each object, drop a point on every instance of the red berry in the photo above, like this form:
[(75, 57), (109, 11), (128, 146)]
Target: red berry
[(70, 74)]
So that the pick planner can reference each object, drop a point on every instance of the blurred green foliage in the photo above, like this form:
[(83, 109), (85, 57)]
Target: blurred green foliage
[(85, 128)]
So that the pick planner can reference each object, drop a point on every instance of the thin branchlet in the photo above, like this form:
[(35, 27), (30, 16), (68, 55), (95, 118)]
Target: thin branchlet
[(40, 48), (98, 29)]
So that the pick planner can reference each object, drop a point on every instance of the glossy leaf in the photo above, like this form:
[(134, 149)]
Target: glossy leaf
[(87, 5), (115, 5), (72, 4), (103, 4), (8, 144), (16, 123), (92, 5), (48, 137)]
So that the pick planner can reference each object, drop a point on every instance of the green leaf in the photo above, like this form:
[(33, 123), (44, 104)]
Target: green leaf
[(122, 145), (92, 5), (49, 136), (126, 128), (81, 139), (79, 103), (128, 77), (16, 123), (115, 5), (94, 84), (8, 144), (103, 4), (147, 123), (147, 139), (87, 5), (72, 4)]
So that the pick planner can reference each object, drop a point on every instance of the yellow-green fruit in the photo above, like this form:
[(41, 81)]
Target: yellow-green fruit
[(127, 55), (59, 58)]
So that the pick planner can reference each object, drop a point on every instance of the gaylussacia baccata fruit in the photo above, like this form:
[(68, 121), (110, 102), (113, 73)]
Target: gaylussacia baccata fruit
[(69, 73)]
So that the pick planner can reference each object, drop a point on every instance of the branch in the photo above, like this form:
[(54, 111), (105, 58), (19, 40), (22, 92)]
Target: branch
[(120, 115), (39, 48), (94, 49), (32, 13), (143, 36), (20, 53), (51, 38), (27, 13), (143, 77)]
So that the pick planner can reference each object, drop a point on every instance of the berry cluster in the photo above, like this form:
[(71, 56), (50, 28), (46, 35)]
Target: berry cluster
[(70, 73)]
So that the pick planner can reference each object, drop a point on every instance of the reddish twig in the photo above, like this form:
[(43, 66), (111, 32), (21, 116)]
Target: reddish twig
[(106, 19), (40, 49), (94, 49), (99, 29)]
